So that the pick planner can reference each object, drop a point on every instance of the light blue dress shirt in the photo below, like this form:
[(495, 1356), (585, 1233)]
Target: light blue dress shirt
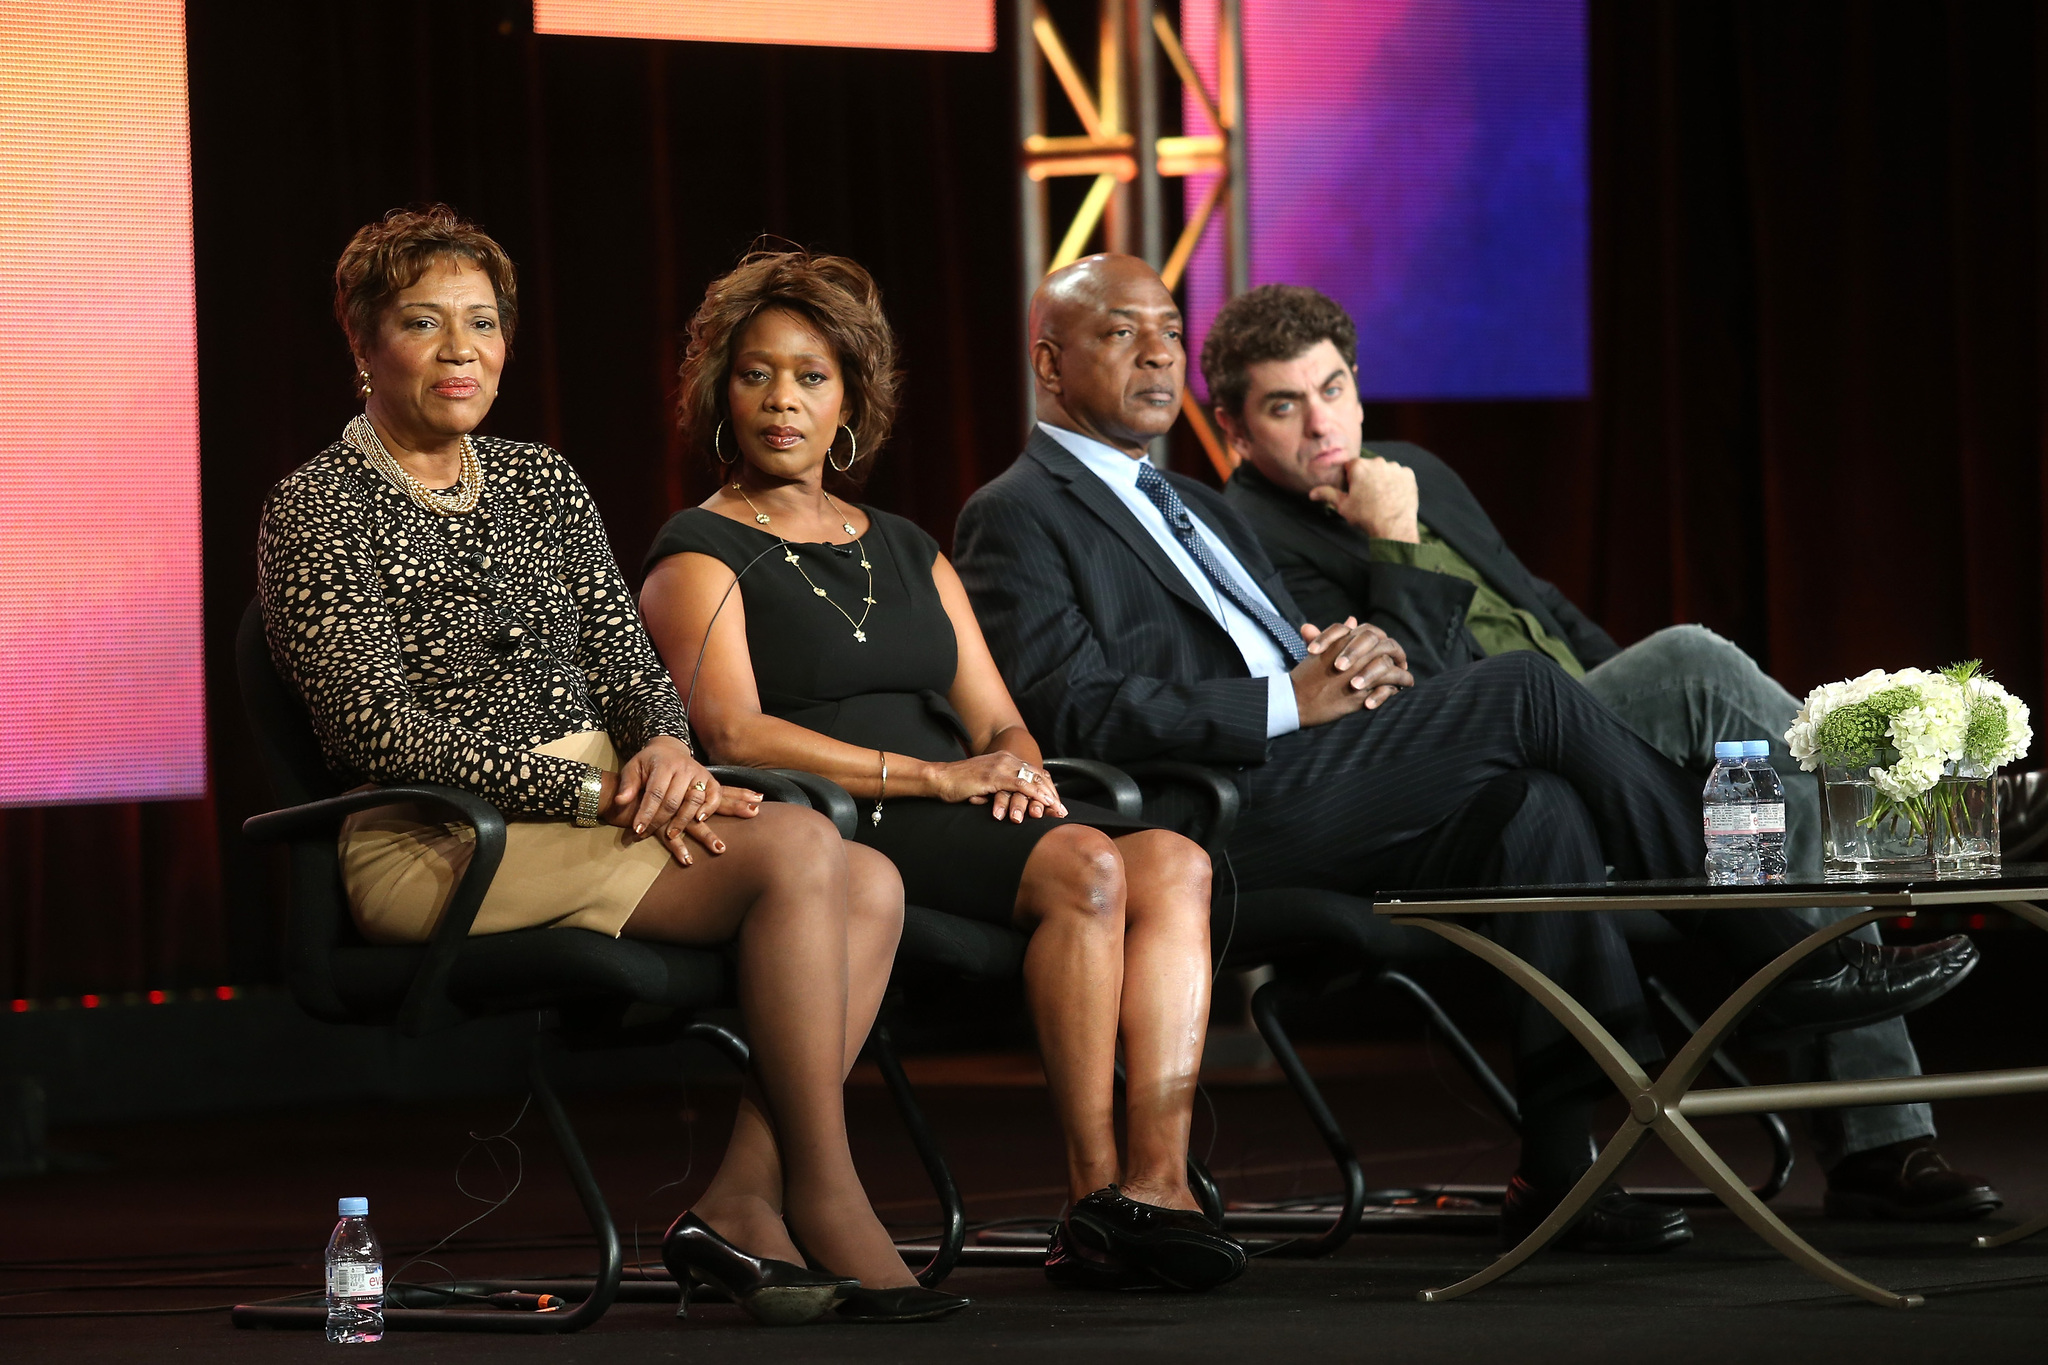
[(1262, 654)]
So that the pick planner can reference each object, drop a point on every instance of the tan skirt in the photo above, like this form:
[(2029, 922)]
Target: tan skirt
[(400, 867)]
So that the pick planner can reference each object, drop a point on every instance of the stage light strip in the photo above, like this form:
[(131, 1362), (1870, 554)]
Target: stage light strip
[(101, 683), (928, 25)]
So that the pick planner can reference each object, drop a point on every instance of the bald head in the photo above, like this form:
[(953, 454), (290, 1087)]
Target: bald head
[(1106, 351)]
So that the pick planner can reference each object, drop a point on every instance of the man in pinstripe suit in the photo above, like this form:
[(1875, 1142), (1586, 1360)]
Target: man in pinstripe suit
[(1135, 616)]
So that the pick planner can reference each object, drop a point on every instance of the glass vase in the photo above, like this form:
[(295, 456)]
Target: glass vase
[(1964, 816), (1868, 835), (1950, 830)]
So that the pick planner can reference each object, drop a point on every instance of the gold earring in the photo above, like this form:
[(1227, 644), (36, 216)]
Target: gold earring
[(362, 384), (853, 451), (714, 444)]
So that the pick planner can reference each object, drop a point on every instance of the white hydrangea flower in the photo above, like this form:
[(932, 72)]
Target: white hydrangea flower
[(1928, 736), (1824, 699), (2019, 731)]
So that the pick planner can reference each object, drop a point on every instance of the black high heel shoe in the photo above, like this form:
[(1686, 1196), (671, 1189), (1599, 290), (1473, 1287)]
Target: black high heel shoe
[(909, 1304), (773, 1293)]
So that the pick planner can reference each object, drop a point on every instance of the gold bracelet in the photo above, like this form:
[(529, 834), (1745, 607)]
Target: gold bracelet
[(876, 816), (589, 797)]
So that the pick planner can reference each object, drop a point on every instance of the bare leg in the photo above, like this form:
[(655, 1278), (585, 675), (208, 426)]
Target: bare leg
[(743, 1202), (782, 886), (1071, 901), (1165, 1012)]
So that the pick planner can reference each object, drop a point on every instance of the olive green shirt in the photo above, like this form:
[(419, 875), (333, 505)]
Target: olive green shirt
[(1495, 623)]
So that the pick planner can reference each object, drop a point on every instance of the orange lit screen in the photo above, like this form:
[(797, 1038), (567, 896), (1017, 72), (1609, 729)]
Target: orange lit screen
[(943, 25), (101, 695)]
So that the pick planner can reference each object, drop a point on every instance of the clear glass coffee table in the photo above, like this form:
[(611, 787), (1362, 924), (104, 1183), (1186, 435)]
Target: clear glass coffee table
[(1668, 1104)]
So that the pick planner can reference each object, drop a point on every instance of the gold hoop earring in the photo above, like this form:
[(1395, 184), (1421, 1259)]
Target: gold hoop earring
[(714, 444), (853, 451), (363, 384)]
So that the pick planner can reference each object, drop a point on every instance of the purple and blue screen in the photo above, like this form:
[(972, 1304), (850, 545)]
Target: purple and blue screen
[(1423, 162)]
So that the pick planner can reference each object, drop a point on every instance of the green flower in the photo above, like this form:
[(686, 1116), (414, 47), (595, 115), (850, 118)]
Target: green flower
[(1989, 729), (1851, 735)]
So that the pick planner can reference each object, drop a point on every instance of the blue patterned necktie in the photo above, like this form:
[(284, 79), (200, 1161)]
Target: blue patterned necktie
[(1181, 523)]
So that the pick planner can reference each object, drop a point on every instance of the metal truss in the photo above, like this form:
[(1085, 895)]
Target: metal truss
[(1121, 149)]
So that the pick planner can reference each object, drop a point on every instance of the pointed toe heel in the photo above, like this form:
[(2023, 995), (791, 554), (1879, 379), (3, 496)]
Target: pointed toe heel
[(773, 1293)]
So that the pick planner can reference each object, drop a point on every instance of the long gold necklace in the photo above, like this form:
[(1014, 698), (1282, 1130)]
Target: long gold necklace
[(363, 437), (789, 554)]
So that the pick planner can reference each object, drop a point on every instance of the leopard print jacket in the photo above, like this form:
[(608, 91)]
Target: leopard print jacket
[(444, 649)]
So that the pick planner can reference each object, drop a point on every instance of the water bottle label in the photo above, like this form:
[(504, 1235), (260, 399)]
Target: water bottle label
[(349, 1280), (1732, 819), (1770, 819)]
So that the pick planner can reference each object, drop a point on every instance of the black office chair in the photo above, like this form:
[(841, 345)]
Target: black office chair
[(591, 991)]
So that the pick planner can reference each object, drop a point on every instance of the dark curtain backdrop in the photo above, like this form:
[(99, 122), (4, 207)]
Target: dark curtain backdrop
[(1818, 285)]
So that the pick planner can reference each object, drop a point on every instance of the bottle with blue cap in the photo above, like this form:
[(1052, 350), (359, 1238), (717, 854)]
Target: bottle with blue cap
[(1729, 813), (355, 1277), (1770, 809)]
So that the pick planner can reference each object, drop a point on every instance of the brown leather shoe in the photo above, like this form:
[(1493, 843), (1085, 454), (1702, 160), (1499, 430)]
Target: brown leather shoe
[(1907, 1181)]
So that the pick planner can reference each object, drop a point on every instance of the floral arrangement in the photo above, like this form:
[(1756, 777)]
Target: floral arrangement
[(1909, 728)]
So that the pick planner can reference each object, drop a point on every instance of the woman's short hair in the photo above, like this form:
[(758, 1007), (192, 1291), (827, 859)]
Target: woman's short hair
[(391, 254), (1272, 322), (837, 298)]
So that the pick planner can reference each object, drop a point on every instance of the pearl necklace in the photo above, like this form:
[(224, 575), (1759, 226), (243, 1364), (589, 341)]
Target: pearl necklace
[(789, 555), (363, 438)]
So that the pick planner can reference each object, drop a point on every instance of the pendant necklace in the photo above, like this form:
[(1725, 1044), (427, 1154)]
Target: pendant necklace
[(789, 554)]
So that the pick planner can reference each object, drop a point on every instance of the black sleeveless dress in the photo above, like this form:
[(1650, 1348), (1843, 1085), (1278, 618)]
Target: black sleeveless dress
[(887, 692)]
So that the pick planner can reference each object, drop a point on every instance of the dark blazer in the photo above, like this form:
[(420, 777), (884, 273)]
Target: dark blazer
[(1108, 650), (1327, 564)]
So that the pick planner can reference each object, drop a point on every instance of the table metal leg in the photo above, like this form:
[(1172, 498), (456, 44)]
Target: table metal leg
[(2011, 1235), (1614, 1059), (2036, 916), (1612, 1158), (1682, 1138), (1654, 1107)]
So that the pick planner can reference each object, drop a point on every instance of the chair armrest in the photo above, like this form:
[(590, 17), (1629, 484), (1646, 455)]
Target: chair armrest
[(1124, 795), (827, 797), (325, 816), (426, 1007), (1219, 792), (772, 783)]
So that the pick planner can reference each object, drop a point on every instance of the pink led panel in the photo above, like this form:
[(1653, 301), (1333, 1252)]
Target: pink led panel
[(101, 686), (943, 25)]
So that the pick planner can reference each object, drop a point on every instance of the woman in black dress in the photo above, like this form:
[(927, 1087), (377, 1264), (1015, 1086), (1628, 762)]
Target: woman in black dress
[(809, 632)]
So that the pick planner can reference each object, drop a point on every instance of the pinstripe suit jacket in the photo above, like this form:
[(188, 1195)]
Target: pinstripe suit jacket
[(1108, 650)]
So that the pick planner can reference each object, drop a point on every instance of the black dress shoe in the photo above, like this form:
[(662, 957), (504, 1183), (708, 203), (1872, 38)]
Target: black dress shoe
[(1615, 1223), (909, 1304), (1908, 1181), (1067, 1268), (773, 1293), (1179, 1248), (1872, 985)]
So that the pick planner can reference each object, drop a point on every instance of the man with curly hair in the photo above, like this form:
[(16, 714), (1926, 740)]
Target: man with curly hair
[(1389, 533)]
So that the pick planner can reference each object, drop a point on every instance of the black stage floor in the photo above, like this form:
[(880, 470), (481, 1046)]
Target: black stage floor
[(238, 1208)]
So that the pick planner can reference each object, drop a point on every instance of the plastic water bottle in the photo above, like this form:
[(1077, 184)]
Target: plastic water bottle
[(1770, 809), (1730, 816), (355, 1277)]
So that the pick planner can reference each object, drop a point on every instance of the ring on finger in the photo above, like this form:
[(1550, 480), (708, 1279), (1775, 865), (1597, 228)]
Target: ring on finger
[(698, 785), (1024, 774)]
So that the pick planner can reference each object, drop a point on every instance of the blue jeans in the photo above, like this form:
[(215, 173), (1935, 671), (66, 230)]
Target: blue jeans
[(1686, 687)]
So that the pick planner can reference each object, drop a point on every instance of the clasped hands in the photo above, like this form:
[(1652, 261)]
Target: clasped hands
[(663, 792), (1349, 667)]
